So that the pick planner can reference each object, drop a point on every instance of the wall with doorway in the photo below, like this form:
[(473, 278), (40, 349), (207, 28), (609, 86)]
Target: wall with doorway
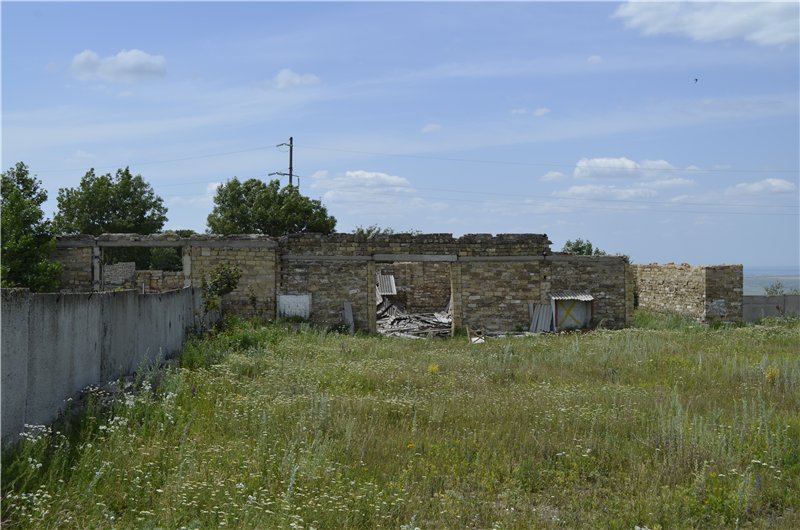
[(491, 279)]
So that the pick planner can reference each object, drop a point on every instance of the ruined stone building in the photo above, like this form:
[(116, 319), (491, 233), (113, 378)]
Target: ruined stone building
[(488, 282)]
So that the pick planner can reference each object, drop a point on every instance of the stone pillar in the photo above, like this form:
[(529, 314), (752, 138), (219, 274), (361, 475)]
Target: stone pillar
[(456, 308), (372, 311), (274, 285), (97, 268), (187, 265), (630, 288), (544, 281)]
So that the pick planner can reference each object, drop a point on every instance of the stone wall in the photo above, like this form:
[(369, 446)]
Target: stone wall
[(330, 283), (256, 258), (76, 268), (704, 293), (724, 291), (422, 287), (606, 278), (119, 275), (431, 244), (494, 295), (158, 281), (491, 278)]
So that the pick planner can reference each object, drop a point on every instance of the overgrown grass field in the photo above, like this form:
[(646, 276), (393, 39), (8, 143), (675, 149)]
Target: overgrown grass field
[(267, 427)]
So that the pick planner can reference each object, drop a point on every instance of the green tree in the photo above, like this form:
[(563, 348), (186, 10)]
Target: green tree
[(774, 289), (582, 248), (119, 204), (27, 241), (253, 207)]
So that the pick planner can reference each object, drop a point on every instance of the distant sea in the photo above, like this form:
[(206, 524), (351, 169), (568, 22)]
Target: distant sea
[(757, 278)]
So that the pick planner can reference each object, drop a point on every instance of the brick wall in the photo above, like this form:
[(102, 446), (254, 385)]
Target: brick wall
[(495, 295), (422, 287), (158, 281), (724, 290), (76, 268), (330, 283), (255, 295), (467, 245), (606, 278), (492, 278), (119, 275), (704, 293)]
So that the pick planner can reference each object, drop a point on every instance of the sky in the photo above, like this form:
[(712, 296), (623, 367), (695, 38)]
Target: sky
[(669, 132)]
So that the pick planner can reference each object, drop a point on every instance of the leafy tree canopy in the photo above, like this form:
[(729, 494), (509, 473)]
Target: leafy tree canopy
[(27, 241), (253, 207), (122, 204), (582, 248)]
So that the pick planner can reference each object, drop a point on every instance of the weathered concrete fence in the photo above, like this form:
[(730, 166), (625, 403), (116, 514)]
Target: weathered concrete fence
[(757, 307), (55, 344)]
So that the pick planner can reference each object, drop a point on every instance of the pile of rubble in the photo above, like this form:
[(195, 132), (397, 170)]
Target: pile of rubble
[(394, 322)]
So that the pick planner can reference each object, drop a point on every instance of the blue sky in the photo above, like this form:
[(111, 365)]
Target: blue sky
[(570, 119)]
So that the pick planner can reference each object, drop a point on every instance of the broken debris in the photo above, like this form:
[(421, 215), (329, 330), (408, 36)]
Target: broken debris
[(393, 321)]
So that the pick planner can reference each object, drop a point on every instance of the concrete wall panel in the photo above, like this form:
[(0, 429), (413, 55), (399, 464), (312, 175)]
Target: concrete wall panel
[(54, 345), (64, 351), (758, 307), (14, 347)]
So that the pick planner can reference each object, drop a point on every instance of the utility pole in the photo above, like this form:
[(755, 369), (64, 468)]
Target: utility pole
[(291, 152)]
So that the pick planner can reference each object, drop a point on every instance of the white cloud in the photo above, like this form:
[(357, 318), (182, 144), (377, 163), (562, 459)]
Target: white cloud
[(764, 23), (762, 187), (622, 167), (594, 59), (205, 200), (125, 67), (288, 79), (553, 176), (371, 194), (605, 168), (360, 185), (593, 191), (81, 154), (431, 127), (668, 183), (538, 112)]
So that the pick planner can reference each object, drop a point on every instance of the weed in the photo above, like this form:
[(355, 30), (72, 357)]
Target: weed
[(672, 425)]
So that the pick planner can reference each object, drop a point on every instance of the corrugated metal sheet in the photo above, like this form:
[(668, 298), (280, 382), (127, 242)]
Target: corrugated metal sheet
[(386, 286), (541, 317), (583, 296)]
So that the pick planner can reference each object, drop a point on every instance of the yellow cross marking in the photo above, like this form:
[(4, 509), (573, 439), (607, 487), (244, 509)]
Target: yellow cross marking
[(568, 314)]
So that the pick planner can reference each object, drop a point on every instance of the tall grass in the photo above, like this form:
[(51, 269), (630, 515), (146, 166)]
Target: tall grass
[(267, 427)]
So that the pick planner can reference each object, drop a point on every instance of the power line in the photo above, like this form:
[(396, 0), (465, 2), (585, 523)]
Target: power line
[(677, 207), (548, 164), (152, 162), (542, 197), (427, 157)]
